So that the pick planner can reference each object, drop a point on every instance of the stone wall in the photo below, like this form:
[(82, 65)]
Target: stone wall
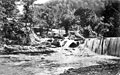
[(108, 46)]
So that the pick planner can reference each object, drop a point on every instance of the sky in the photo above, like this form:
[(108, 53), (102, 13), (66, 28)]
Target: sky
[(20, 7), (41, 1)]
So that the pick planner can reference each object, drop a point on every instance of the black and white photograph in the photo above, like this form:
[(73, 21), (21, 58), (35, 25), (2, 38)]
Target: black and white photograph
[(59, 37)]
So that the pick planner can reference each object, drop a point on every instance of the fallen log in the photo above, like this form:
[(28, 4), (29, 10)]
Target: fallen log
[(25, 49)]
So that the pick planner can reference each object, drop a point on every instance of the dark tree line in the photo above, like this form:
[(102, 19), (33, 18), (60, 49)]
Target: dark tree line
[(94, 19)]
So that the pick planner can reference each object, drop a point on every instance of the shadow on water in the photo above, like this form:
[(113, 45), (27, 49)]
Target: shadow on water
[(102, 69)]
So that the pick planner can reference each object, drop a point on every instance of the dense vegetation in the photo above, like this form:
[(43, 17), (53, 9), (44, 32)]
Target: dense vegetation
[(92, 18)]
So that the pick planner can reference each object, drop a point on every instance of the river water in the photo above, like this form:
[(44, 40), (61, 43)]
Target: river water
[(59, 63)]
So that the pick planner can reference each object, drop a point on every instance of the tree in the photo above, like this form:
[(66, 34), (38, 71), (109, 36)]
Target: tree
[(17, 27), (28, 21), (67, 21), (7, 13), (59, 14), (85, 18), (112, 16)]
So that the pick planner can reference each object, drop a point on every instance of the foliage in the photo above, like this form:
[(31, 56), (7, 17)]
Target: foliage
[(92, 25), (112, 16), (15, 27), (85, 16), (94, 18), (7, 12), (55, 14), (60, 13), (88, 14)]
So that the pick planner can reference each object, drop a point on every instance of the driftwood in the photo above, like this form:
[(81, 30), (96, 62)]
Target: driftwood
[(8, 49)]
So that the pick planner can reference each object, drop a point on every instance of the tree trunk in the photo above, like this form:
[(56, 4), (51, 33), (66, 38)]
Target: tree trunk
[(34, 38), (66, 30)]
